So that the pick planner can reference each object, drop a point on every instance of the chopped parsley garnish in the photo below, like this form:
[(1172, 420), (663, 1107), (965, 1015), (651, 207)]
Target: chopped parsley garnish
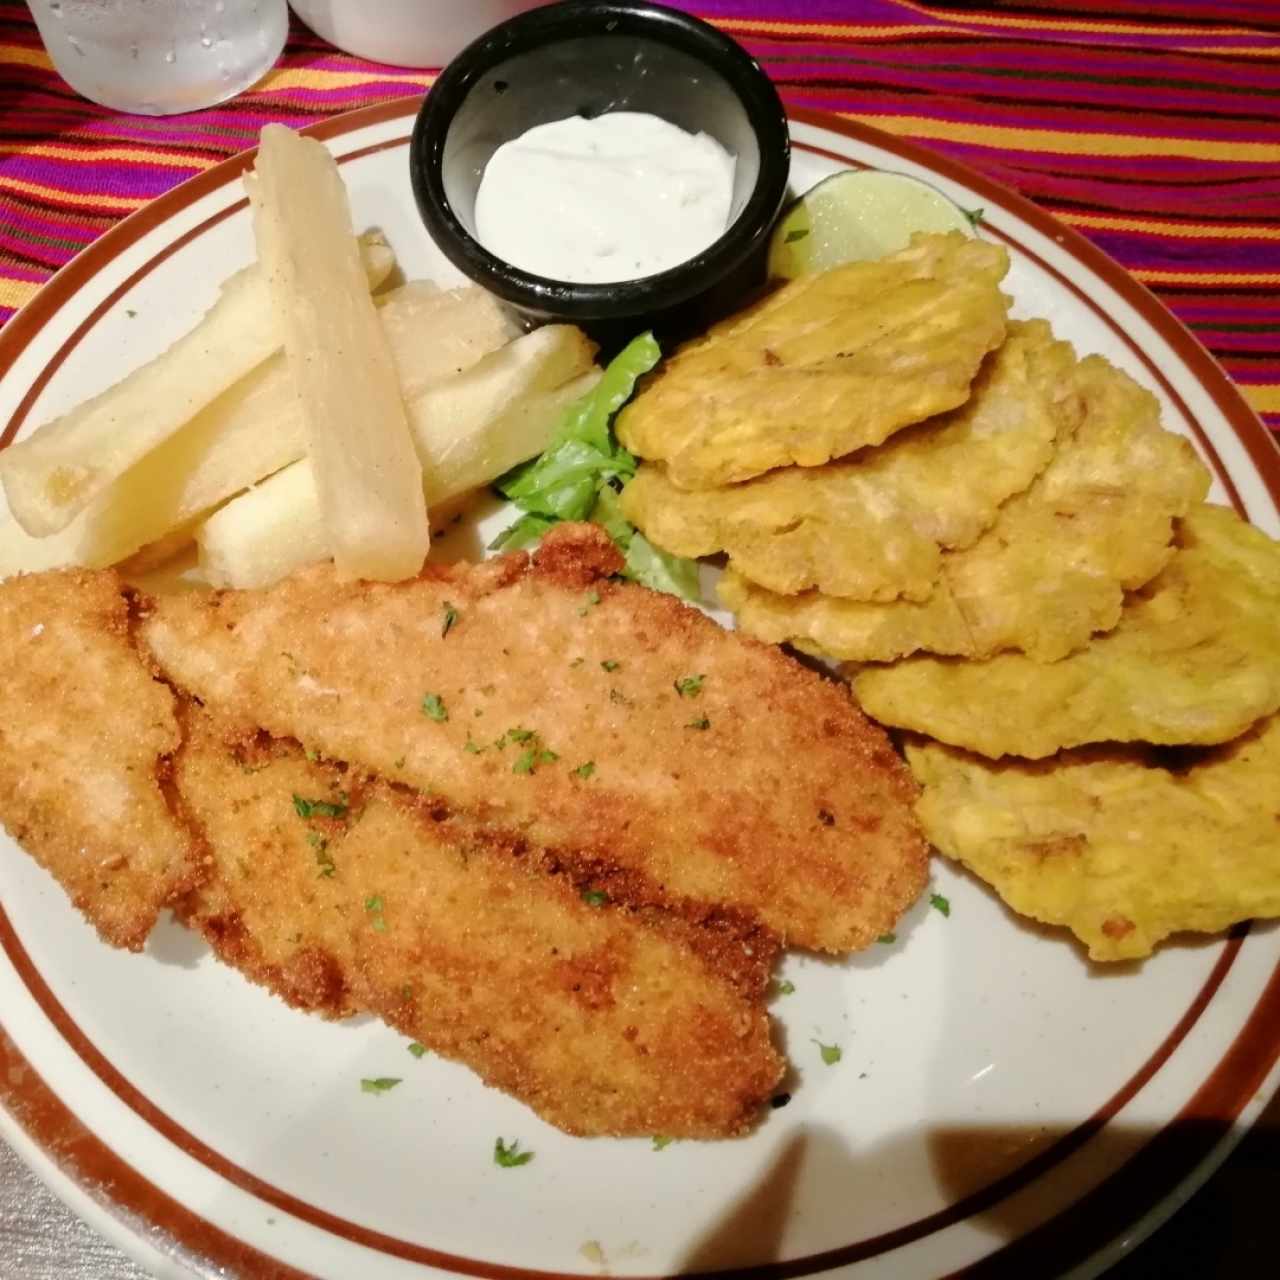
[(418, 1050), (380, 1084), (585, 770), (319, 808), (975, 216), (373, 905), (595, 897), (798, 234), (701, 723), (785, 987), (398, 763), (610, 665), (373, 902), (324, 859), (535, 751), (887, 937), (689, 686), (450, 617), (589, 600), (433, 708), (939, 903), (474, 747), (831, 1053), (510, 1157), (660, 1141)]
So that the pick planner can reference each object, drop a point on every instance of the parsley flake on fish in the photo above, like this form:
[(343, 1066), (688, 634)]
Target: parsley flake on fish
[(689, 686), (887, 937), (595, 897), (785, 987), (319, 808), (324, 859), (373, 905), (450, 617), (585, 770), (510, 1157), (660, 1141), (418, 1050), (433, 708), (701, 723), (609, 664)]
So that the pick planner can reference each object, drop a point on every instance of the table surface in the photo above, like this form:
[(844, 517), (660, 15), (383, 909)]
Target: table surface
[(1151, 126)]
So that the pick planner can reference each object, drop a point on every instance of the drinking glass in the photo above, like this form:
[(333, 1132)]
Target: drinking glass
[(159, 57)]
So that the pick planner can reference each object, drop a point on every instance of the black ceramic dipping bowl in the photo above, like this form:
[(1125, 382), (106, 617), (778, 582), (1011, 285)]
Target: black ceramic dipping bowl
[(586, 57)]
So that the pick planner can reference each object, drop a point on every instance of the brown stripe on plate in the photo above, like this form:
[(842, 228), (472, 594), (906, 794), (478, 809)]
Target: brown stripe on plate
[(1221, 1098)]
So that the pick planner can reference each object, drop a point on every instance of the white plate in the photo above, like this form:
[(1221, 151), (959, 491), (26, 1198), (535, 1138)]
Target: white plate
[(998, 1098)]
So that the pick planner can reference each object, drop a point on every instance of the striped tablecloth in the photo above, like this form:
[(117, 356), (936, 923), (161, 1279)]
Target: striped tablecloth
[(1152, 126)]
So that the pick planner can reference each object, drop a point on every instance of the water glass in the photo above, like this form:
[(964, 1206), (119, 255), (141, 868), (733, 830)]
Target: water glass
[(160, 57)]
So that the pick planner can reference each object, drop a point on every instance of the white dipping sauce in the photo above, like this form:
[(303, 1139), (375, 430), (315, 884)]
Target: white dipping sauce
[(615, 198)]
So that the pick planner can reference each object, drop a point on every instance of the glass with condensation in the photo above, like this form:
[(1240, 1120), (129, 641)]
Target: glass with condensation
[(160, 57)]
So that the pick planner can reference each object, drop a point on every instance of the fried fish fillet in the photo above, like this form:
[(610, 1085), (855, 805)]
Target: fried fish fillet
[(604, 1020), (1049, 573), (828, 364), (873, 526), (85, 739), (1112, 844), (1195, 658), (672, 761)]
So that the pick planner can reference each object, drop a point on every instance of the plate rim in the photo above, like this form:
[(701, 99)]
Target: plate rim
[(1074, 1233)]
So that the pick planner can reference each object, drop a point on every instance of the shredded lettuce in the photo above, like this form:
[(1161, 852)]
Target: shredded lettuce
[(584, 468)]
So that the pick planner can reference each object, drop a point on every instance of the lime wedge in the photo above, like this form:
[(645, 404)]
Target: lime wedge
[(851, 217)]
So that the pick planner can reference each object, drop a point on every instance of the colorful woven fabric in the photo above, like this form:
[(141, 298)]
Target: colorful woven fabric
[(1152, 126)]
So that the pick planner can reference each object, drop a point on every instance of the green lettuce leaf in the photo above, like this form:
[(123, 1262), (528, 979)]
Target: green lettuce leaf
[(580, 473)]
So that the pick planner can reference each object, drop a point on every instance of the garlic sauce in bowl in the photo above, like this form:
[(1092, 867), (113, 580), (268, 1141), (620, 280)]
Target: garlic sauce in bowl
[(624, 195), (606, 163)]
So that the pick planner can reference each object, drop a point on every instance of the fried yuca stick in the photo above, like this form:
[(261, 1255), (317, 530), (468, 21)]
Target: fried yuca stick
[(56, 472), (251, 431), (367, 473)]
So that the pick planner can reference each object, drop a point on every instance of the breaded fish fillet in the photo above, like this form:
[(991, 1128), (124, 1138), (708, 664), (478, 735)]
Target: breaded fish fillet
[(85, 738), (1112, 842), (873, 526), (659, 756), (346, 894), (1195, 659), (1049, 573), (828, 364)]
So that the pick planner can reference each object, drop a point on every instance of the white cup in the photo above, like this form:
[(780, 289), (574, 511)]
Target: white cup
[(159, 57), (406, 33)]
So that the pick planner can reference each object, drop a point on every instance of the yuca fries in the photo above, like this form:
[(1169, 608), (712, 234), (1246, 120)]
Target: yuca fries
[(367, 474), (252, 430), (56, 472), (468, 431)]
